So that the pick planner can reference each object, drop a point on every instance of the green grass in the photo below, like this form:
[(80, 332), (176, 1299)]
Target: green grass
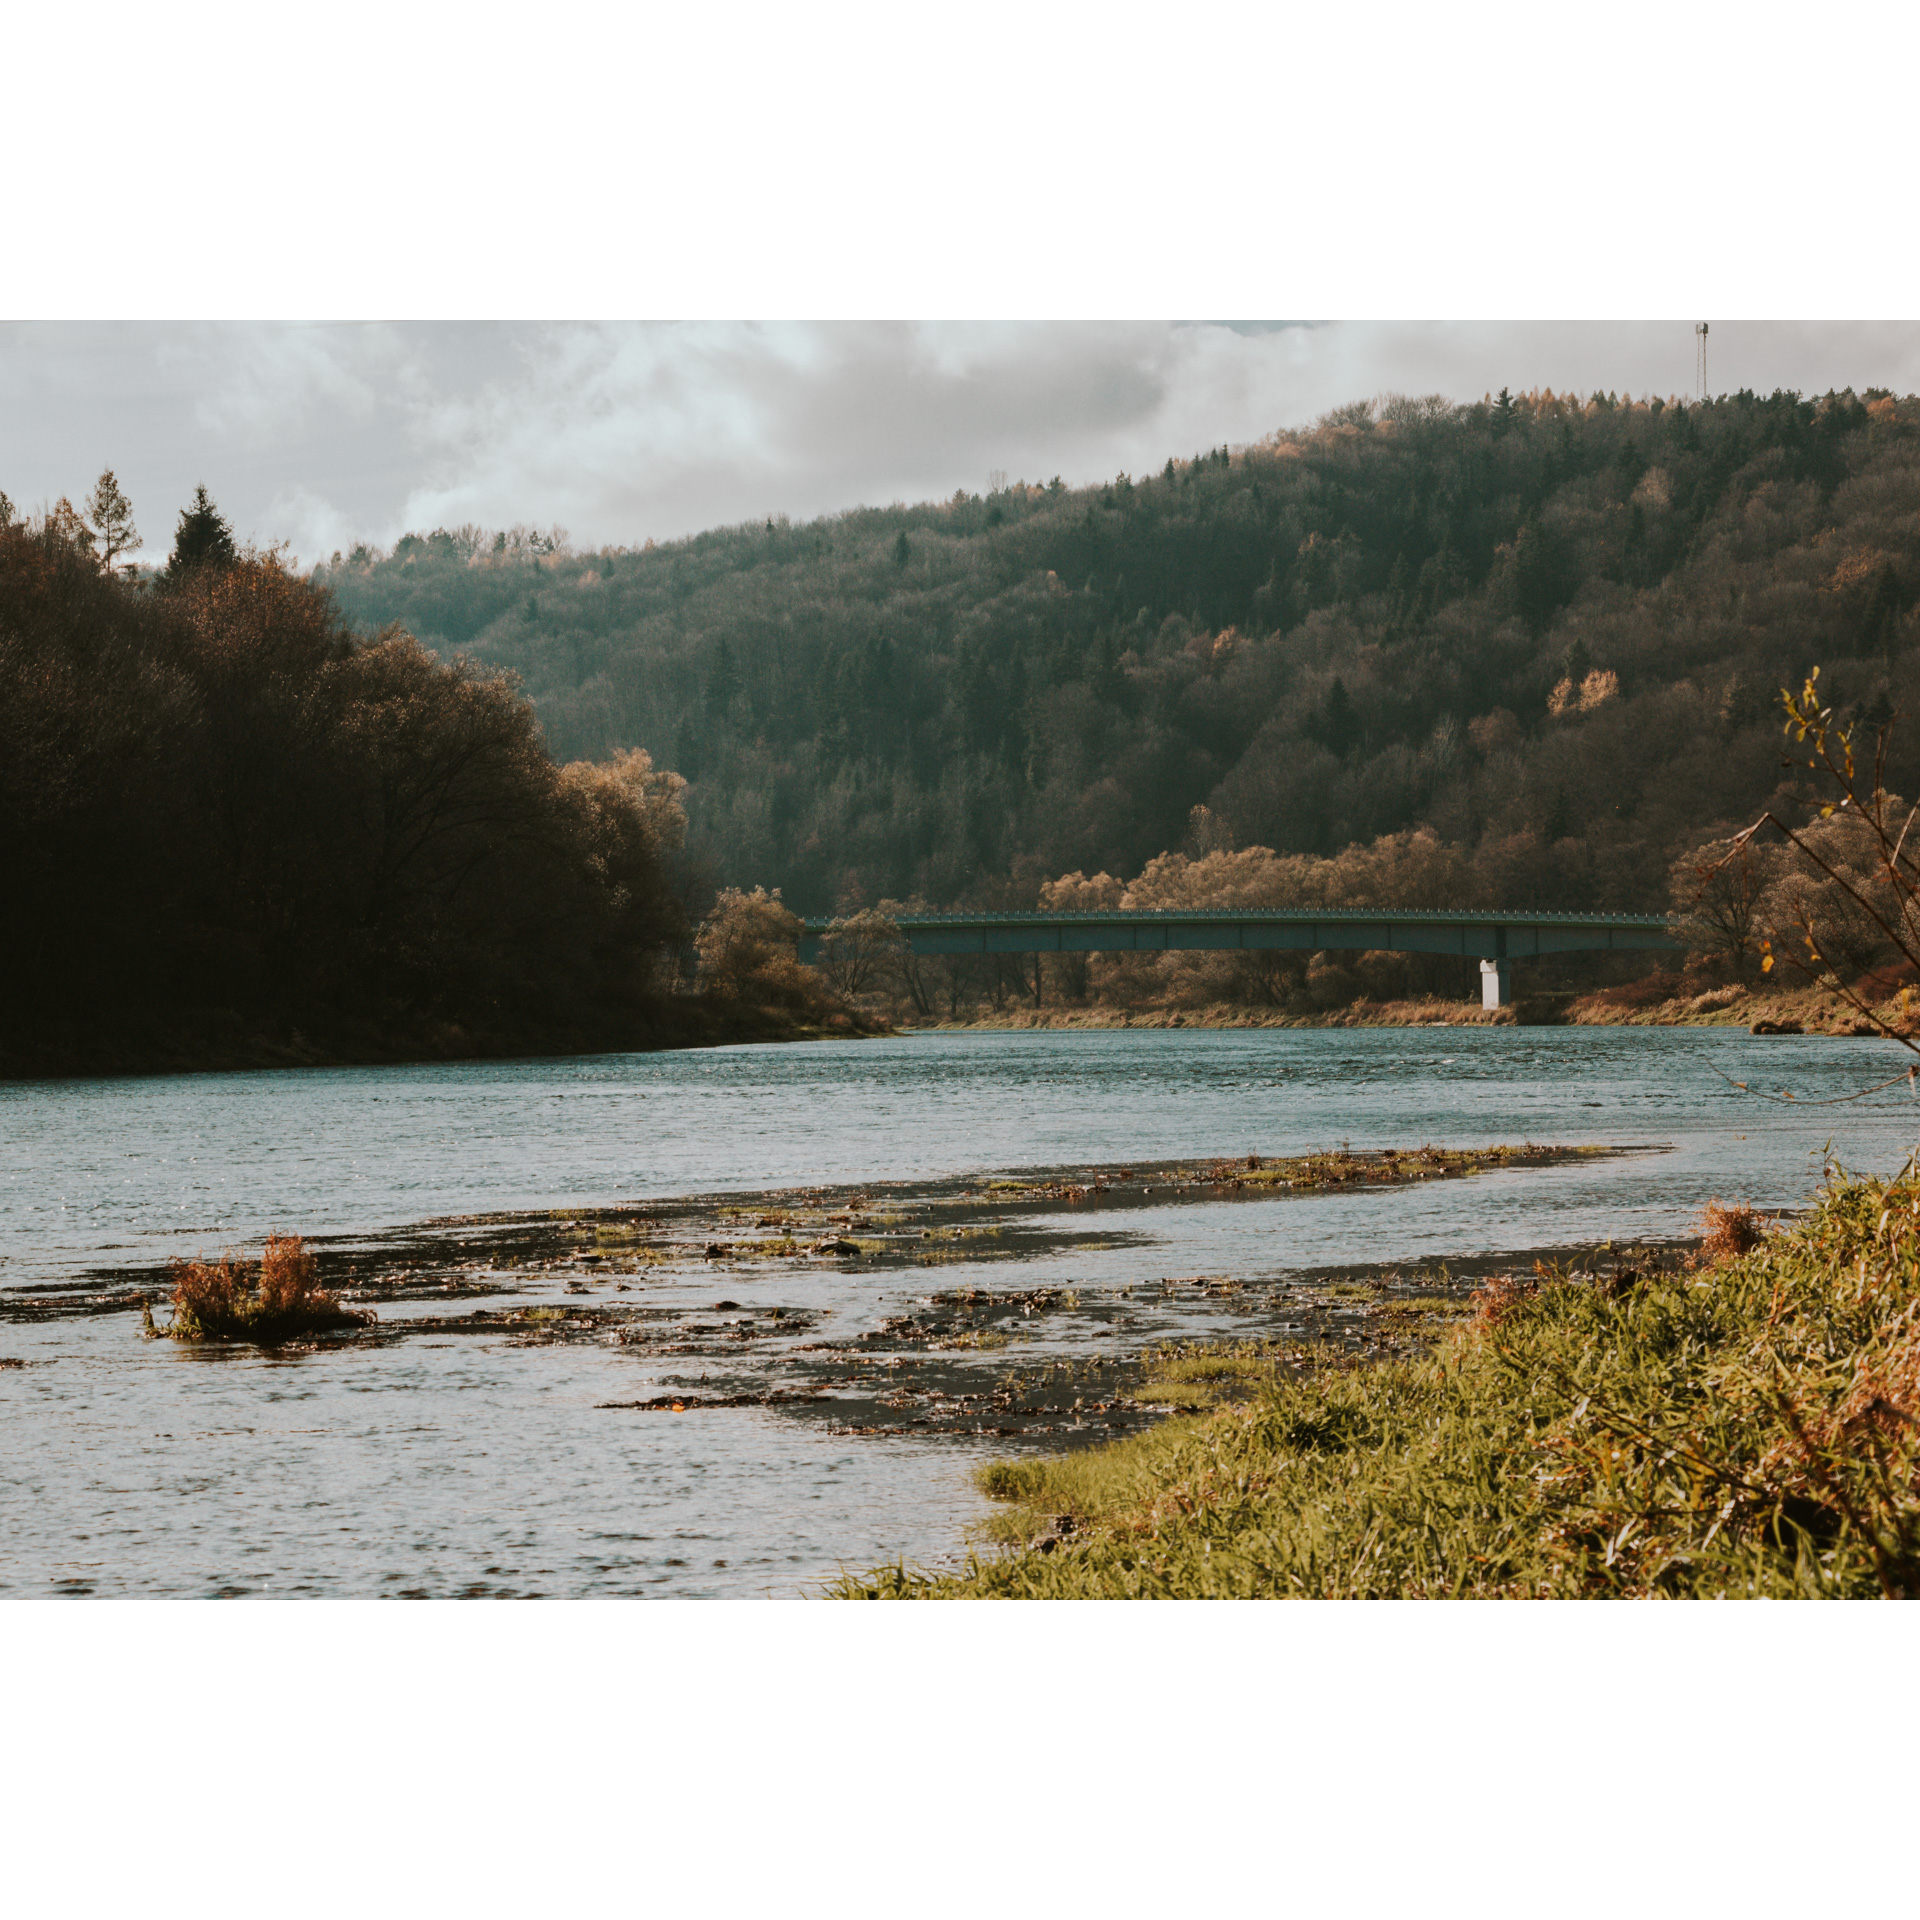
[(1192, 1378), (1749, 1427)]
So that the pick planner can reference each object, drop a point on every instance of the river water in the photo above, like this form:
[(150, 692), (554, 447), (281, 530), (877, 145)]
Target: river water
[(487, 1466)]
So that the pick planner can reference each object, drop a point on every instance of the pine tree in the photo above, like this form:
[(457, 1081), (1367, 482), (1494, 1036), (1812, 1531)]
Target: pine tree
[(1339, 724), (902, 549), (1879, 624), (202, 539), (111, 514)]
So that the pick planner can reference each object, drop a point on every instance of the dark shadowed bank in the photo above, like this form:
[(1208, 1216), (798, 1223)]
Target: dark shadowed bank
[(223, 1040), (1747, 1424)]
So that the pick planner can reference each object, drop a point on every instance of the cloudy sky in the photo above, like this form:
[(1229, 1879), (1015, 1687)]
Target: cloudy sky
[(321, 435)]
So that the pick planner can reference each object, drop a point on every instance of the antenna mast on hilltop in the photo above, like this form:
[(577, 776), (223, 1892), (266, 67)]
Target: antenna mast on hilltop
[(1700, 359)]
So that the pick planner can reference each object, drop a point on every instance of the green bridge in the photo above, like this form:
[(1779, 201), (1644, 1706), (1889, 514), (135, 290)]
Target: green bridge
[(1496, 939)]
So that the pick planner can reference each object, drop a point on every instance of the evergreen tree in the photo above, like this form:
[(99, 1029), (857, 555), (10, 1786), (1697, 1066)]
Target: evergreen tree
[(1339, 724), (1879, 624), (202, 539)]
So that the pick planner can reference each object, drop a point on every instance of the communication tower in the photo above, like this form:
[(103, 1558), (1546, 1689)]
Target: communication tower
[(1700, 359)]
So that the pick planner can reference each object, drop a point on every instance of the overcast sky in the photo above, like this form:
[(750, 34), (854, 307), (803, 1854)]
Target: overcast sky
[(321, 435)]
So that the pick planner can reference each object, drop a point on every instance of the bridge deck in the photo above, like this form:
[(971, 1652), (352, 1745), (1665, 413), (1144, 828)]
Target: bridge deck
[(1485, 936)]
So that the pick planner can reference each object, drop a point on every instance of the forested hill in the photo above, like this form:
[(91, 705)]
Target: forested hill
[(1550, 629)]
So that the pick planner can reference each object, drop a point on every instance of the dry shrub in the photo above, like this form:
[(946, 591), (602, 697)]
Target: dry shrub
[(223, 1300), (1880, 984), (1651, 990), (289, 1276), (1502, 1295), (1715, 999), (1728, 1232), (208, 1292)]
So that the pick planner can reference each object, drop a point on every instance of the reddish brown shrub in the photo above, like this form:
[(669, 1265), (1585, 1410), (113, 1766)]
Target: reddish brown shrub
[(1728, 1232), (222, 1300), (1636, 994), (209, 1292), (1502, 1294), (289, 1276)]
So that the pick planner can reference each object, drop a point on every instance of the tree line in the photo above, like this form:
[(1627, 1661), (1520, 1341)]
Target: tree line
[(222, 807)]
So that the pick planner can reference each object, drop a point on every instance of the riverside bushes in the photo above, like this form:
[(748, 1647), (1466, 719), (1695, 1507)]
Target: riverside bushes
[(279, 1299), (1748, 1427)]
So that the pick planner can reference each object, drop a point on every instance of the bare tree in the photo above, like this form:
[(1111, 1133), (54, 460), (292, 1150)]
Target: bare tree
[(1718, 892), (856, 948)]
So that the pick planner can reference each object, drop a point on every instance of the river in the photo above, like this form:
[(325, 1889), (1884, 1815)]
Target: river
[(490, 1465)]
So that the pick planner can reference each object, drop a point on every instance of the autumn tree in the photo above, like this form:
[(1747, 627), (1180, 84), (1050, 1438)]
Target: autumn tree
[(859, 949), (65, 525), (110, 513), (749, 951), (1834, 901), (1717, 891)]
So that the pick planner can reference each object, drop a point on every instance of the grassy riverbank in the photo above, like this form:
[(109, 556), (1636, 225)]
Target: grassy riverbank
[(1748, 1425)]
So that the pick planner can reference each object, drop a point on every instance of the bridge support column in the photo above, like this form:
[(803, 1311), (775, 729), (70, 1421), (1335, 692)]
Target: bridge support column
[(1496, 983)]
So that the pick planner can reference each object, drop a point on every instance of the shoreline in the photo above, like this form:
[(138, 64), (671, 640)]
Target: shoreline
[(218, 1040), (1740, 1423), (1803, 1010)]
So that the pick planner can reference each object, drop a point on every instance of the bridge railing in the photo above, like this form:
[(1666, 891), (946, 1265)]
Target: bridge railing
[(1471, 935)]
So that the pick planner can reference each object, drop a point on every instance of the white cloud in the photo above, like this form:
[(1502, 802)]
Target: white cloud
[(327, 434)]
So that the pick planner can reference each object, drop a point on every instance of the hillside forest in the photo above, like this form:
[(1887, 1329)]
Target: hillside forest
[(1545, 633)]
